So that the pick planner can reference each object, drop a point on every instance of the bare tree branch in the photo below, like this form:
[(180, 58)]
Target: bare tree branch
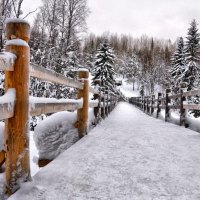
[(30, 13)]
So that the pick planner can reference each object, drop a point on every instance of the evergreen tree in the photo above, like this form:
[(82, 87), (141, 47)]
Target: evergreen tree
[(191, 73), (103, 69), (178, 64)]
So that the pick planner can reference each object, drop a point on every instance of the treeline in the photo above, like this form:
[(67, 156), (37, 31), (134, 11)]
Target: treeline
[(143, 60)]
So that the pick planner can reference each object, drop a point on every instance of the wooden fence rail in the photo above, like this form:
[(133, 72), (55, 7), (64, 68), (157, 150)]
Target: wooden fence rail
[(16, 106), (167, 102)]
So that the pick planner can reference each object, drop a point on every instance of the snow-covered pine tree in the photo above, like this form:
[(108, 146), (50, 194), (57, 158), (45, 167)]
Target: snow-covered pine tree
[(103, 69), (191, 73), (132, 69), (192, 56), (178, 64)]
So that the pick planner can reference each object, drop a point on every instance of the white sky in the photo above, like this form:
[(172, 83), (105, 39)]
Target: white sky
[(156, 18)]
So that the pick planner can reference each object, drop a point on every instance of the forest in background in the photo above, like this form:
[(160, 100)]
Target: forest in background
[(60, 42)]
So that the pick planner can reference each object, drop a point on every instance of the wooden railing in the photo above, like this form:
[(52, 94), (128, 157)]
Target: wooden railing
[(16, 106), (167, 102)]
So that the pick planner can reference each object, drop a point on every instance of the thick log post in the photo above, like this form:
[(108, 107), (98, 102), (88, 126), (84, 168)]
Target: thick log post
[(167, 101), (158, 104), (97, 109), (82, 114), (17, 128)]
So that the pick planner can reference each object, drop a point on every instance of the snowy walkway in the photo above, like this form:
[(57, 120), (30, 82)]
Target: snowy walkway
[(129, 156)]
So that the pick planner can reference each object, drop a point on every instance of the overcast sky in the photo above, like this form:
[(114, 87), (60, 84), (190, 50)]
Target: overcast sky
[(155, 18)]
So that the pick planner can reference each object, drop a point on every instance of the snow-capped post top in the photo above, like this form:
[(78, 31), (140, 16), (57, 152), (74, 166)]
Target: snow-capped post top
[(17, 29), (83, 73)]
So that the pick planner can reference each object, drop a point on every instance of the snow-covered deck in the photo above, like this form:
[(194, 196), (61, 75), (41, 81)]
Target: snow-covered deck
[(129, 156)]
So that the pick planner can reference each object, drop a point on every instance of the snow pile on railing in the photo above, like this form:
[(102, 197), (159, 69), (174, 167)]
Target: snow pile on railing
[(7, 61), (8, 97), (7, 104), (42, 100)]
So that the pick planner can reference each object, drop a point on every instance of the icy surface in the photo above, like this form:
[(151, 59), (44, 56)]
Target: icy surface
[(17, 42), (129, 156), (1, 136)]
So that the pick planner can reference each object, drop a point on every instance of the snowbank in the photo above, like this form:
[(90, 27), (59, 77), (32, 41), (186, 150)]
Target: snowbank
[(1, 136), (55, 134)]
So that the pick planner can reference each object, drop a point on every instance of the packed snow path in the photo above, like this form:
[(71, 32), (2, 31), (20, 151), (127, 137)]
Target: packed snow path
[(129, 156)]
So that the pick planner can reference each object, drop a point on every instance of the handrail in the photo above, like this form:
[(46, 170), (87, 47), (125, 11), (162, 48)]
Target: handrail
[(164, 103), (18, 110), (51, 76)]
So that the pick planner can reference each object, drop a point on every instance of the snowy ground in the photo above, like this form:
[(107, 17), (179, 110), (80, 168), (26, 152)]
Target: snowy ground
[(127, 88), (123, 158)]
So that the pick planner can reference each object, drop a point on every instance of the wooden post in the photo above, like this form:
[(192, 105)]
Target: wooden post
[(82, 114), (17, 128), (147, 104), (106, 103), (182, 110), (158, 104), (97, 96), (103, 100), (167, 101), (152, 104), (143, 98)]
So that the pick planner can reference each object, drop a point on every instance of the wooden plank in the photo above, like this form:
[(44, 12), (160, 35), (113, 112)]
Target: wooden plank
[(51, 76), (44, 108), (7, 60), (191, 93), (192, 106), (6, 111)]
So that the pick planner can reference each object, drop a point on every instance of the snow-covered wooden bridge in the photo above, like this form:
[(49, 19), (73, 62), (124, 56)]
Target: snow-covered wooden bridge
[(129, 156)]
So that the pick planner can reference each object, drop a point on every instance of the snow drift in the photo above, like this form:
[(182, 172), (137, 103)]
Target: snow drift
[(55, 134)]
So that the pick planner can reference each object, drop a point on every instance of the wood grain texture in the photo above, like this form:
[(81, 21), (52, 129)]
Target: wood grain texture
[(82, 114), (17, 127), (51, 76)]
